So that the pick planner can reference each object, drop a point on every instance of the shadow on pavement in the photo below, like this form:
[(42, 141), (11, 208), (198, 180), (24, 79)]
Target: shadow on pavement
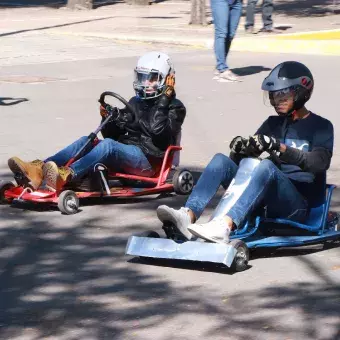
[(303, 8), (74, 283), (67, 277), (249, 70), (9, 101), (54, 26)]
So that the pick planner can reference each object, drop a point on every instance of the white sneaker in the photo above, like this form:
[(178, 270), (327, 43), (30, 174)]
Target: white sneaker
[(217, 230), (179, 218), (216, 74), (228, 76)]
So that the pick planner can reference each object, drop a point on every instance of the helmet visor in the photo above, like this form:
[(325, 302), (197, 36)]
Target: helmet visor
[(148, 81), (282, 100), (274, 98)]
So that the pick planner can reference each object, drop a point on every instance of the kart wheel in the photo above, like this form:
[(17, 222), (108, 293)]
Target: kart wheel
[(241, 259), (68, 202), (5, 185), (183, 182), (149, 233)]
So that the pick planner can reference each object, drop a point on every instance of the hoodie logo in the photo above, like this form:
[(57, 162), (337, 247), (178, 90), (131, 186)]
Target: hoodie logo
[(298, 147), (302, 145)]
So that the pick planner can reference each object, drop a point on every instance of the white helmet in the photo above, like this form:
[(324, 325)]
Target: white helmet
[(150, 74)]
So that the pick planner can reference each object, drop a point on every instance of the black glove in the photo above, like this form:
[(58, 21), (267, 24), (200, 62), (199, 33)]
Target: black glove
[(238, 144), (261, 143)]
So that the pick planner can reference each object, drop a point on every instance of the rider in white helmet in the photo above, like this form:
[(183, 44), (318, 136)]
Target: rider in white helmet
[(129, 144), (151, 73)]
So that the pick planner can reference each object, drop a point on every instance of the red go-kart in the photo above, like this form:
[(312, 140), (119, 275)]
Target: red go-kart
[(99, 182)]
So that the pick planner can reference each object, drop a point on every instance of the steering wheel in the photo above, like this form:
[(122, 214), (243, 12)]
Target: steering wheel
[(121, 99)]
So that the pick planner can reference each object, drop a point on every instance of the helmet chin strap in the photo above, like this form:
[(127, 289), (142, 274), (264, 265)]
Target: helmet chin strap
[(290, 114)]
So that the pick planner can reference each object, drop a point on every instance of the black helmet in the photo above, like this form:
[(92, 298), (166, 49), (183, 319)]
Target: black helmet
[(290, 76)]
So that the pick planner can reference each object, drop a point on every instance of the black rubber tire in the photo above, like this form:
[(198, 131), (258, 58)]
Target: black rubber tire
[(183, 182), (5, 185), (149, 233), (241, 259), (64, 202)]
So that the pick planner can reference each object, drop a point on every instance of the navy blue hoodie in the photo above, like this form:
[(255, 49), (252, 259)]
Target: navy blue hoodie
[(309, 151)]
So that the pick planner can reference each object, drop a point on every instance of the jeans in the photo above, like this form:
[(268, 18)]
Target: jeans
[(267, 11), (269, 187), (226, 18), (116, 156)]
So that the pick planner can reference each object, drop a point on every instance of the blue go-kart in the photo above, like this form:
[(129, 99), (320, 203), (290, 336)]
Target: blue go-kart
[(259, 232)]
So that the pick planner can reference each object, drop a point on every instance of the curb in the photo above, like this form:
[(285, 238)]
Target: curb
[(122, 37), (312, 35), (316, 43), (268, 45)]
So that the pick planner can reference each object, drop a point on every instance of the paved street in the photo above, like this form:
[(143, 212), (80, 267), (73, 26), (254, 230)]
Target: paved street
[(66, 277)]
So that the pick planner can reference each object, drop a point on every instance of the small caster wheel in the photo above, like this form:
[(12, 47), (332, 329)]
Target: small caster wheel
[(68, 202), (4, 186), (241, 259), (183, 182), (149, 233), (172, 233)]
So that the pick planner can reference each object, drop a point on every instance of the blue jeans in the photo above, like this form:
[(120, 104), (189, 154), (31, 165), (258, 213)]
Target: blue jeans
[(116, 156), (269, 187), (226, 18)]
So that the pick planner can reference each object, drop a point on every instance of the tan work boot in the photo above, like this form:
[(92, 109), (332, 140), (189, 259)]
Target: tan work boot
[(32, 172), (56, 177)]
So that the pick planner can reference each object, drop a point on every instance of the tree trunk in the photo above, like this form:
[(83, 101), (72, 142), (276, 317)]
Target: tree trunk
[(198, 12), (80, 4)]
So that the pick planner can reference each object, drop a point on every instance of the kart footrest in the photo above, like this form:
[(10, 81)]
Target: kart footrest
[(191, 250)]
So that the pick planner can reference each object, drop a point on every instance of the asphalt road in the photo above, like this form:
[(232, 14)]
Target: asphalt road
[(66, 277)]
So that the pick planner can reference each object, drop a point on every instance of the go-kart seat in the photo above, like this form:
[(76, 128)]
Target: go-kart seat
[(316, 220), (161, 168), (173, 157)]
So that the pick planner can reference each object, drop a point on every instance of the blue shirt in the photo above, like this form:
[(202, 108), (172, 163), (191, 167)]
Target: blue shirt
[(304, 134)]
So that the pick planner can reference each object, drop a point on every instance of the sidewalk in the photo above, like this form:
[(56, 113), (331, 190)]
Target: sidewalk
[(167, 22)]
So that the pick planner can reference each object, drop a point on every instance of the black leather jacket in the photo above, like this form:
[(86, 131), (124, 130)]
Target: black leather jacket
[(157, 126)]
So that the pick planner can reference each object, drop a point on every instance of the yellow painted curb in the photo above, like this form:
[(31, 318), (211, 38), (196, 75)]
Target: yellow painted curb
[(288, 43), (316, 35), (319, 47)]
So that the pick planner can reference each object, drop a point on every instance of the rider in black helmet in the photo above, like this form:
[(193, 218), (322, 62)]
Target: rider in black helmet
[(303, 144), (289, 79)]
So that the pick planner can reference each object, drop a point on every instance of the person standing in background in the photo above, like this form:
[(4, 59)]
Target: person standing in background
[(226, 16), (267, 12)]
